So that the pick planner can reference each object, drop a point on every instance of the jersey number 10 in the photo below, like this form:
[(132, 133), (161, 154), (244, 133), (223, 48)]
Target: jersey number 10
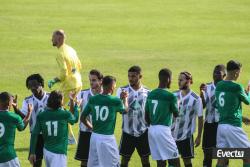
[(102, 113), (49, 127)]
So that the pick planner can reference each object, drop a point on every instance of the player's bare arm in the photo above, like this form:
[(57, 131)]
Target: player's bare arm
[(16, 109), (202, 91), (27, 117), (200, 127), (124, 97), (86, 122)]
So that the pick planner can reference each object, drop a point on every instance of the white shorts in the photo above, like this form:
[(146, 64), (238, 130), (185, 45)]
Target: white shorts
[(103, 151), (53, 159), (12, 163), (161, 143), (229, 136)]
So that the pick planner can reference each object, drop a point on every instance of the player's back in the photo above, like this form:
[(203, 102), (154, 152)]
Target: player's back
[(9, 121), (161, 104), (54, 127), (229, 96), (104, 109)]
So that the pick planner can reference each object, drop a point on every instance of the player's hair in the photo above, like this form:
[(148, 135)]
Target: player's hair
[(5, 99), (55, 100), (220, 67), (187, 75), (233, 65), (60, 33), (107, 81), (36, 77), (136, 69), (96, 73), (164, 74)]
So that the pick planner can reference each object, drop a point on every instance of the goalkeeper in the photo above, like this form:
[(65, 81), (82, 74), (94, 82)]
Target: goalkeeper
[(69, 76)]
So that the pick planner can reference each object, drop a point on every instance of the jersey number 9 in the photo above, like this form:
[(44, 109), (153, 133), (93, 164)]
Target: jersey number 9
[(2, 129)]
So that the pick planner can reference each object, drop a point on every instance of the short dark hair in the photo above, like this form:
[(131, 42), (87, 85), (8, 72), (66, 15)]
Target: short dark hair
[(187, 75), (136, 69), (220, 67), (233, 65), (96, 73), (5, 98), (107, 81), (164, 74), (36, 77), (55, 100)]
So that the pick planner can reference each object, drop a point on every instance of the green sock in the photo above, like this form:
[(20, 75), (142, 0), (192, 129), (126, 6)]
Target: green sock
[(246, 165)]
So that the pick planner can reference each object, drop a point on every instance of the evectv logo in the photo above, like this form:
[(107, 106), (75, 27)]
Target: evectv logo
[(231, 153)]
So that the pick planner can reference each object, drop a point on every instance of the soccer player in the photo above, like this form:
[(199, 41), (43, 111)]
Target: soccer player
[(190, 107), (103, 107), (9, 122), (160, 107), (38, 99), (207, 94), (69, 66), (53, 123), (95, 79), (229, 97), (134, 127)]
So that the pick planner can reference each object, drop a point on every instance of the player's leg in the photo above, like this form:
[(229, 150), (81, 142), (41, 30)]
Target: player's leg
[(52, 159), (127, 147), (209, 142), (39, 151), (161, 163), (174, 162), (82, 152), (143, 149), (162, 144), (93, 159), (186, 149), (108, 151), (237, 138), (221, 142)]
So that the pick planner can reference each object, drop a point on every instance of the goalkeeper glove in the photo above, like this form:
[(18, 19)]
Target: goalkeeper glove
[(51, 83)]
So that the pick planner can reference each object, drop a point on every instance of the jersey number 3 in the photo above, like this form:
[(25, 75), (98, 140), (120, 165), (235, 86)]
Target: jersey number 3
[(49, 127), (2, 129)]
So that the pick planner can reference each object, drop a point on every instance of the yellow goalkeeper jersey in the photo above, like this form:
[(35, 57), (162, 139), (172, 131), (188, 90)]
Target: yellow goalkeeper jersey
[(70, 66)]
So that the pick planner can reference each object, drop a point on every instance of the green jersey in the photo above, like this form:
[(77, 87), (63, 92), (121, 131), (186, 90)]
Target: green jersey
[(103, 109), (54, 127), (160, 105), (9, 122), (229, 96)]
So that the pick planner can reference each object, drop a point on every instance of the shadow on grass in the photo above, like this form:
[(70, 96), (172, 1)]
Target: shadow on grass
[(22, 149)]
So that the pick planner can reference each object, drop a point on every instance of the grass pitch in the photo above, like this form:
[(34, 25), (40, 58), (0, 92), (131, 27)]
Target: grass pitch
[(112, 35)]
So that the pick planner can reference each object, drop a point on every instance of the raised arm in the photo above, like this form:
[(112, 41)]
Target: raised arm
[(15, 107), (202, 94)]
